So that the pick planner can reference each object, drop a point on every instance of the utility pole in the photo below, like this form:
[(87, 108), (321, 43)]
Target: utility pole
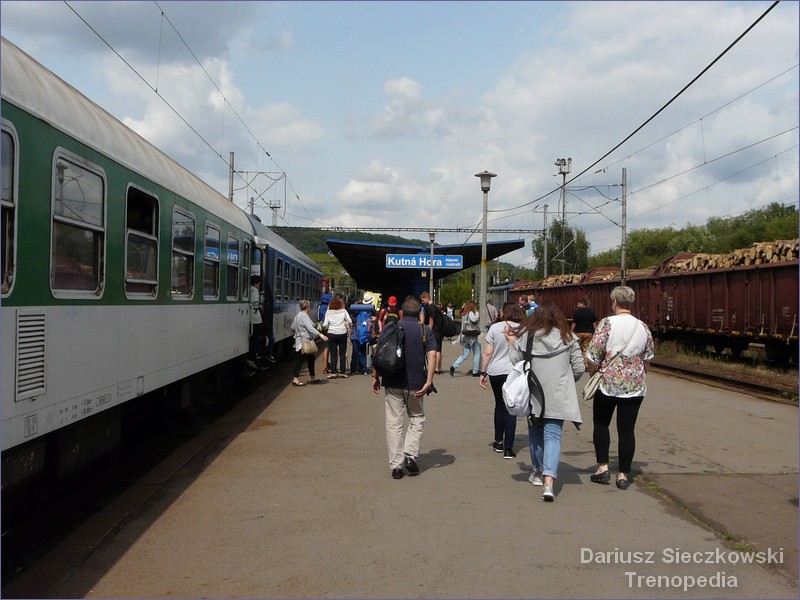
[(564, 167), (230, 178), (544, 274), (624, 224)]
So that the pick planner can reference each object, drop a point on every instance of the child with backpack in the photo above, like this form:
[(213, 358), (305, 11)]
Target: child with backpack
[(363, 331)]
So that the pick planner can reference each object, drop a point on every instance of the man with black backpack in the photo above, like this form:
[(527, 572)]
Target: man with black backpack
[(406, 388)]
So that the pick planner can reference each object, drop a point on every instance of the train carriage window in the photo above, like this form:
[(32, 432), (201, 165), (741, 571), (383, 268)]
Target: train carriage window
[(246, 271), (278, 279), (78, 243), (211, 260), (299, 284), (141, 244), (293, 291), (287, 286), (232, 269), (182, 282), (8, 179)]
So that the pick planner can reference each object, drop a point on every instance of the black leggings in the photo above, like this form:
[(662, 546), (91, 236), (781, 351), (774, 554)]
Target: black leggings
[(302, 359), (337, 346), (505, 424), (627, 411)]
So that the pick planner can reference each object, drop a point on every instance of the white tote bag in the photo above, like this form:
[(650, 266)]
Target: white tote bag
[(516, 393)]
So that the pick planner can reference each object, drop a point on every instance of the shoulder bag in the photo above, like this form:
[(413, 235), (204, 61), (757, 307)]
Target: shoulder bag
[(591, 387), (308, 348)]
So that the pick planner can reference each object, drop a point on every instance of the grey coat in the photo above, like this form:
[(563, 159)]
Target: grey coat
[(558, 366)]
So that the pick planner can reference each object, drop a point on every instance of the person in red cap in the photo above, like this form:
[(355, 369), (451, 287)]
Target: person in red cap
[(389, 312)]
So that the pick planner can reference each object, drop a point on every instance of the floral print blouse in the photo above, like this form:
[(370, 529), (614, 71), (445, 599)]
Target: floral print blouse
[(625, 377)]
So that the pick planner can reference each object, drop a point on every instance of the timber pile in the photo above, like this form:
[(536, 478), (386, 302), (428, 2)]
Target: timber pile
[(523, 284), (760, 253), (614, 274), (556, 280)]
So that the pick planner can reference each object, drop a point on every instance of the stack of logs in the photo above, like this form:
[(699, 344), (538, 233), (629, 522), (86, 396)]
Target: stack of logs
[(760, 253), (614, 274), (556, 280)]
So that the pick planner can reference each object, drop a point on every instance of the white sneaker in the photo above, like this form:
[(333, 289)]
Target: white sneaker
[(547, 494), (536, 479)]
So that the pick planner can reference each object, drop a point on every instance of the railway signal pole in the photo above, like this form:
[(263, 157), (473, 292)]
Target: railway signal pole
[(564, 167)]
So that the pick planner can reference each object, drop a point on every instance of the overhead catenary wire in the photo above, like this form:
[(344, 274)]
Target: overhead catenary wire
[(154, 89), (658, 112)]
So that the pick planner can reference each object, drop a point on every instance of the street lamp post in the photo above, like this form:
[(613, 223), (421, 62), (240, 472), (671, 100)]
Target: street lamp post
[(432, 236), (486, 183)]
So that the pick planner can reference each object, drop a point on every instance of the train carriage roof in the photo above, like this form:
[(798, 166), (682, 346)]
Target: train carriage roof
[(266, 236), (38, 91)]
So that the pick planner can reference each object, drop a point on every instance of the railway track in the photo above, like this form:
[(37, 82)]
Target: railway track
[(758, 384), (32, 524)]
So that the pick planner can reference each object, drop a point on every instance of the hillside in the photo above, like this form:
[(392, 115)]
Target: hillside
[(313, 241)]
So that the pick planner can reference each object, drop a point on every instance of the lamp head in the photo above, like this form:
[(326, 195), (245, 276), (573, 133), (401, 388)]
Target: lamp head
[(486, 180)]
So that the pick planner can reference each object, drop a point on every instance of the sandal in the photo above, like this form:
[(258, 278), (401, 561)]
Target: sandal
[(298, 383)]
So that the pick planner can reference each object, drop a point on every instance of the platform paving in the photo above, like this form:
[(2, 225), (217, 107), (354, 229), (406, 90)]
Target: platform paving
[(290, 496)]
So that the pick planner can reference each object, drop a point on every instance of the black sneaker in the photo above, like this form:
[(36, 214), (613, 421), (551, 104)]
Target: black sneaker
[(498, 446), (508, 453), (452, 371), (397, 473), (411, 465)]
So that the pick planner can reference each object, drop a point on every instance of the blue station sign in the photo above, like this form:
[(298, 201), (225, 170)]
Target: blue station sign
[(423, 261)]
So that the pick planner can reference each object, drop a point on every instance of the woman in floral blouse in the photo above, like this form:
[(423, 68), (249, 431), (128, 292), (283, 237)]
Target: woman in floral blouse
[(623, 383)]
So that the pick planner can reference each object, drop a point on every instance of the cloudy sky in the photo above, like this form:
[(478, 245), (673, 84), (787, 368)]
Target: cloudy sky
[(380, 113)]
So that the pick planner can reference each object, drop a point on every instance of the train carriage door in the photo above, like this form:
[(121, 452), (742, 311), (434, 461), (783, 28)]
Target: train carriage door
[(268, 281), (257, 266)]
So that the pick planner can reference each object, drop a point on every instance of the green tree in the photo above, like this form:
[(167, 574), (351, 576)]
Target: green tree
[(457, 288), (649, 247), (575, 255)]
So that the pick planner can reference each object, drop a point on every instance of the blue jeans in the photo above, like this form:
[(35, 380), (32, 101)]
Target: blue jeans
[(475, 347), (545, 446)]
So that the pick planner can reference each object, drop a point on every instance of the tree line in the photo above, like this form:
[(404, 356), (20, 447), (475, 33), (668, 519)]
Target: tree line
[(649, 247)]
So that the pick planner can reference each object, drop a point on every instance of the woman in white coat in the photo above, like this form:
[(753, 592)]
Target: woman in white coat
[(557, 362)]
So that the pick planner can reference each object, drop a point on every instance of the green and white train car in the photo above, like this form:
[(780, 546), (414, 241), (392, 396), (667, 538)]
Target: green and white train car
[(122, 272)]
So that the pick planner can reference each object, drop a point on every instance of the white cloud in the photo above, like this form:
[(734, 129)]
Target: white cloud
[(394, 137)]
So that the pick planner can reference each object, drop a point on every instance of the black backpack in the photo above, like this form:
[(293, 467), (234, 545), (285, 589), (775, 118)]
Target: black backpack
[(390, 357), (449, 327)]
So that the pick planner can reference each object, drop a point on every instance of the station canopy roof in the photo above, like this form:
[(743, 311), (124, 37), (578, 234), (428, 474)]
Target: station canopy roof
[(365, 262)]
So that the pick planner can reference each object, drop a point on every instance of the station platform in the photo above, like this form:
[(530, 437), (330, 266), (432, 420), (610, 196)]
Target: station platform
[(290, 496)]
